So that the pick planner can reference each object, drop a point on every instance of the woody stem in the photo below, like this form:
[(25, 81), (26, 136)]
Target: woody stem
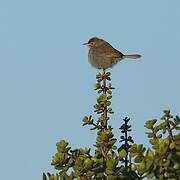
[(104, 92), (169, 130)]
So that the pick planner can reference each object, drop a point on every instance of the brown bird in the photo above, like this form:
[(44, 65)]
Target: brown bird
[(103, 56)]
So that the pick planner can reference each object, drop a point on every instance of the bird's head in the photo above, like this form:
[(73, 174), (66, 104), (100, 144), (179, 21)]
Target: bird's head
[(93, 42)]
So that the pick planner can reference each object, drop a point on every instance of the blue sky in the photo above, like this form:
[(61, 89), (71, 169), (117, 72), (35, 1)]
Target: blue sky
[(47, 82)]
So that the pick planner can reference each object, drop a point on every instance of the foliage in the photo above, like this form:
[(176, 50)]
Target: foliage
[(129, 160)]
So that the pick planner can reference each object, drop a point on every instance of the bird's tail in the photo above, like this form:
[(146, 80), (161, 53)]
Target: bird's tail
[(132, 56)]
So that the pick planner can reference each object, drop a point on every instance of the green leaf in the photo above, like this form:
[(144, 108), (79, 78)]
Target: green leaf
[(153, 141), (108, 78), (177, 128), (171, 123), (109, 110), (122, 153), (108, 74), (150, 176), (99, 175), (133, 148), (111, 163), (149, 124), (176, 165), (93, 128), (44, 176), (88, 164), (100, 91), (133, 167), (112, 142), (113, 147), (109, 97), (150, 135), (140, 148), (97, 86), (166, 162), (172, 145), (138, 159), (159, 136), (85, 120), (108, 103), (150, 153), (109, 91), (141, 167), (62, 146)]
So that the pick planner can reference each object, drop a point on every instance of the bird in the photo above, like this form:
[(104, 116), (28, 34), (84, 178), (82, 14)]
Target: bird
[(103, 56)]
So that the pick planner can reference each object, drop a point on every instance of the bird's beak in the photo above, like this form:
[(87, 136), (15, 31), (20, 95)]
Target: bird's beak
[(85, 43)]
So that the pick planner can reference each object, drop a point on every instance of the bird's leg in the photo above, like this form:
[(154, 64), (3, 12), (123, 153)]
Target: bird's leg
[(104, 92)]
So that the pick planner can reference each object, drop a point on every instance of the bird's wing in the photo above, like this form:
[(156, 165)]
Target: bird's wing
[(108, 51)]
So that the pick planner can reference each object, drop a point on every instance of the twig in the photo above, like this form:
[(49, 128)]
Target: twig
[(126, 145), (104, 92), (169, 130)]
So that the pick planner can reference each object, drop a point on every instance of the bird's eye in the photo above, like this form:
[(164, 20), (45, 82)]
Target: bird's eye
[(91, 44)]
